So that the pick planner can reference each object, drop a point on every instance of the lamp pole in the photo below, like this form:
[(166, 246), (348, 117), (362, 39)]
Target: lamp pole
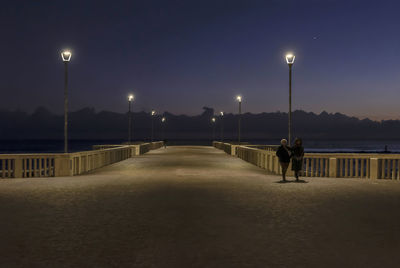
[(290, 60), (222, 125), (163, 120), (153, 113), (239, 99), (66, 57), (213, 127), (130, 99)]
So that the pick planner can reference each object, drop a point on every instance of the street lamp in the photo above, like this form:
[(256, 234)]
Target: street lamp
[(66, 57), (131, 97), (222, 125), (163, 120), (290, 60), (239, 99), (213, 120), (153, 113)]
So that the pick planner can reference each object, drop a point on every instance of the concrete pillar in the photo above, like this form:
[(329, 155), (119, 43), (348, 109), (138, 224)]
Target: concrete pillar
[(233, 150), (277, 166), (18, 168), (264, 159), (62, 166), (80, 164), (333, 168), (374, 168), (268, 163)]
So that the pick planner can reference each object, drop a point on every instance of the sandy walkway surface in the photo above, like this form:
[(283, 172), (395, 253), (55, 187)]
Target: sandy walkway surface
[(197, 207)]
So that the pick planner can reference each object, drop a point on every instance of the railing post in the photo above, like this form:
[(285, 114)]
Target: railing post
[(276, 165), (233, 150), (62, 167), (268, 163), (374, 168), (18, 167), (333, 167), (80, 164)]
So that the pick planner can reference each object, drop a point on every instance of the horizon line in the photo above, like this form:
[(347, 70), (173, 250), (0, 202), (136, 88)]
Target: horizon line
[(376, 118)]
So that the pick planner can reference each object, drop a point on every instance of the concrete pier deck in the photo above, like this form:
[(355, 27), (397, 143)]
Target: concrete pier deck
[(196, 206)]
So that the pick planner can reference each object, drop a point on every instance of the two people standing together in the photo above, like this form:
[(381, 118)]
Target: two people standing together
[(295, 153)]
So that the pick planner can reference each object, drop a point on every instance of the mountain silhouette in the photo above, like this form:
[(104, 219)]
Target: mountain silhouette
[(89, 124)]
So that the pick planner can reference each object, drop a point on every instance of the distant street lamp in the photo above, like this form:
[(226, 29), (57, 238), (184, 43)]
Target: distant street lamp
[(163, 120), (213, 120), (239, 99), (66, 57), (153, 113), (290, 60), (222, 125), (131, 97)]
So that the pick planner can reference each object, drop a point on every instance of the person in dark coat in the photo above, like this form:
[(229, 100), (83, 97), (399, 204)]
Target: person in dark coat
[(298, 157), (284, 154)]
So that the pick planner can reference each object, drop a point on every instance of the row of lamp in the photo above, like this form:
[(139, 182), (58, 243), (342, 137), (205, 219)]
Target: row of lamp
[(153, 112), (66, 57), (289, 60), (214, 120)]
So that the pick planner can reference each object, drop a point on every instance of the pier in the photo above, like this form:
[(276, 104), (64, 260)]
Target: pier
[(197, 206)]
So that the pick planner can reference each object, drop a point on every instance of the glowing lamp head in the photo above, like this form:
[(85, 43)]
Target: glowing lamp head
[(221, 113), (290, 59), (239, 98), (131, 97), (213, 119), (163, 119), (153, 112), (66, 55)]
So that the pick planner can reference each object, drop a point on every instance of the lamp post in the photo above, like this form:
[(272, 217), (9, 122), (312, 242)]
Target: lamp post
[(153, 113), (66, 57), (130, 99), (213, 120), (290, 60), (239, 99), (222, 125), (163, 120)]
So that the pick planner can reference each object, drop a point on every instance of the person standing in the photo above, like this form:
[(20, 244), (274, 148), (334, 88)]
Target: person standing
[(284, 154), (298, 156)]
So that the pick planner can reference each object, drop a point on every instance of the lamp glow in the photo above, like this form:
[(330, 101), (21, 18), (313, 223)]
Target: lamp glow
[(163, 119), (153, 112), (131, 97), (290, 58), (221, 113), (213, 119), (239, 98), (66, 55)]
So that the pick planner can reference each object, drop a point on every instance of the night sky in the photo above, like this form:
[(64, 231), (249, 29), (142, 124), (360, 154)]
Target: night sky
[(179, 56)]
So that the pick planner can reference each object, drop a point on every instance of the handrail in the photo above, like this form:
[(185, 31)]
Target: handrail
[(344, 165), (69, 164)]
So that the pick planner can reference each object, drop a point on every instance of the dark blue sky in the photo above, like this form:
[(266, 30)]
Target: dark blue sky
[(182, 55)]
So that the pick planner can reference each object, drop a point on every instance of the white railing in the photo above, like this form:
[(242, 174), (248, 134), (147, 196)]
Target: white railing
[(341, 165), (27, 165), (70, 164)]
